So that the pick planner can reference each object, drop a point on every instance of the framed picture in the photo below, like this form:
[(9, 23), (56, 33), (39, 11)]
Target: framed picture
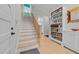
[(73, 15)]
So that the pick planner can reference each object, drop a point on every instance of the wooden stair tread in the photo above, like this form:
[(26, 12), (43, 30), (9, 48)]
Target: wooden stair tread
[(25, 45)]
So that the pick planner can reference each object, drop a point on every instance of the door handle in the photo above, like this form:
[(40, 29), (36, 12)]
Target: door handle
[(12, 33)]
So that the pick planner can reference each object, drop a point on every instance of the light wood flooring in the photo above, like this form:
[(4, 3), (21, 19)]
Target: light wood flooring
[(50, 47)]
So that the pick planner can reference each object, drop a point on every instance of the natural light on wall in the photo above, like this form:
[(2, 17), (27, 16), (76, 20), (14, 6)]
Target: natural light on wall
[(26, 9)]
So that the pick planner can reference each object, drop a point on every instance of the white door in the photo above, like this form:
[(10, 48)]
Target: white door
[(7, 36)]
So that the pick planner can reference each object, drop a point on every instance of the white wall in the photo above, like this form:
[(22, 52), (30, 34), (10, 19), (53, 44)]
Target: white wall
[(44, 11), (40, 22), (46, 25), (69, 26), (18, 13), (70, 38)]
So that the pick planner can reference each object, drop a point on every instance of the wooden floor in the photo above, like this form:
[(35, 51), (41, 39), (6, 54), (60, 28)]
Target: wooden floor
[(50, 47)]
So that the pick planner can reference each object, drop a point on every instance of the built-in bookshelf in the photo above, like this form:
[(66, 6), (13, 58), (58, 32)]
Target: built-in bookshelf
[(56, 25)]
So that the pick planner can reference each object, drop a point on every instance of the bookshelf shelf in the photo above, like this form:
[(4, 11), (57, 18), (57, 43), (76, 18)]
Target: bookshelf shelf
[(56, 25)]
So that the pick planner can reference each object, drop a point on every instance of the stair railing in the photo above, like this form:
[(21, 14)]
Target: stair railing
[(37, 27)]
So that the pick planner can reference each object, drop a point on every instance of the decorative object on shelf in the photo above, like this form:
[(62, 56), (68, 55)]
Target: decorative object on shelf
[(73, 15)]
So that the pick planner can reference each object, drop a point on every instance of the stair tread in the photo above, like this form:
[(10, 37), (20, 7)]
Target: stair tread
[(28, 38), (22, 40), (25, 45), (32, 36), (28, 42)]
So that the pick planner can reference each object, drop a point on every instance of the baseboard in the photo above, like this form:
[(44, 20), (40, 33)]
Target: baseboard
[(71, 50)]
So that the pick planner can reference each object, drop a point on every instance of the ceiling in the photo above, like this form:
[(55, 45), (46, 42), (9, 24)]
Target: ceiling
[(44, 9)]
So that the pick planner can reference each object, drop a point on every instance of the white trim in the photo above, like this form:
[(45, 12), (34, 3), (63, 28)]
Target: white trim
[(56, 40)]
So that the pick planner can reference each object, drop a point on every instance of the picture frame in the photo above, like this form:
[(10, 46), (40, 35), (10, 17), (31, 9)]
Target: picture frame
[(73, 15)]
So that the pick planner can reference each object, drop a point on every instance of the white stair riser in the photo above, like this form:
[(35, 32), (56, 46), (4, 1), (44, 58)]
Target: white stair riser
[(28, 42), (26, 33), (25, 27), (28, 37), (29, 25), (25, 30), (25, 39)]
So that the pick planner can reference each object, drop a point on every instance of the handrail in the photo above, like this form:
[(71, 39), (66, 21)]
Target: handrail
[(37, 28), (36, 25)]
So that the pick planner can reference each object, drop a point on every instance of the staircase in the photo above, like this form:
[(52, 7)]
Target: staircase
[(27, 37)]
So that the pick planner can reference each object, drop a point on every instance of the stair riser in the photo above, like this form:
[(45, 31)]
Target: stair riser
[(25, 45), (27, 33), (28, 37), (26, 30), (23, 35), (24, 26), (28, 42)]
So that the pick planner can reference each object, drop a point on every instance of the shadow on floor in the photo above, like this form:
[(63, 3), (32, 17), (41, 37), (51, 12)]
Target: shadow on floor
[(32, 51)]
